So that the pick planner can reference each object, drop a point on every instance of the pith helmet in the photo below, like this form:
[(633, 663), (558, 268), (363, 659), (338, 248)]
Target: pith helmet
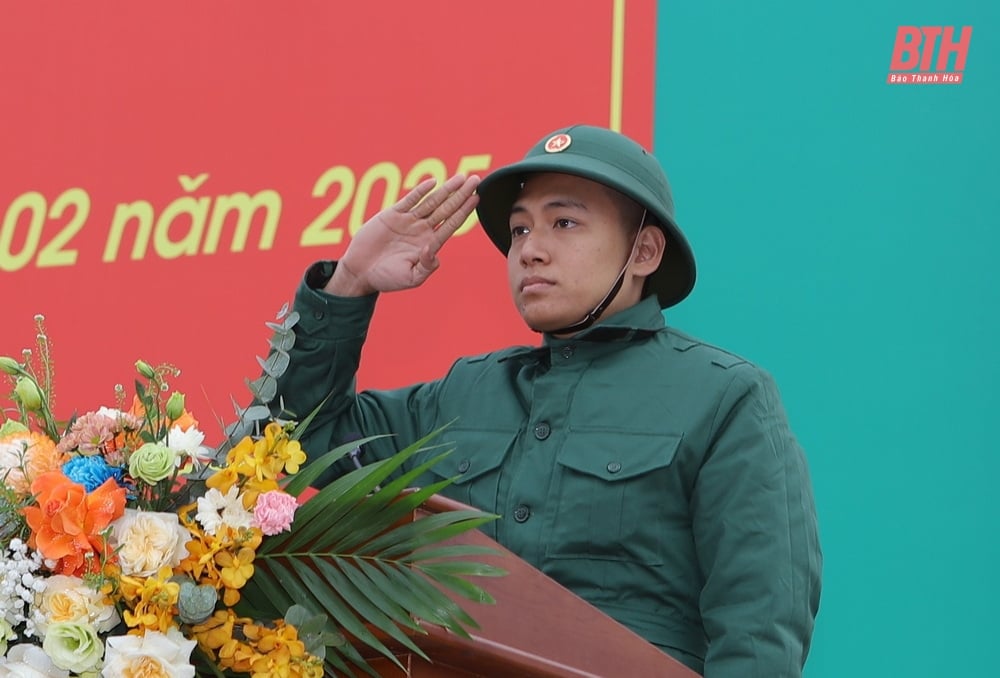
[(608, 158)]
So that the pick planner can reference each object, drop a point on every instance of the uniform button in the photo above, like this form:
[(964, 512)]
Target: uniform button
[(464, 466), (567, 352), (318, 314), (614, 467), (522, 513), (542, 430)]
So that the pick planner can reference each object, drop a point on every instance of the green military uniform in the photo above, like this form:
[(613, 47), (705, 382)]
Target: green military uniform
[(652, 474)]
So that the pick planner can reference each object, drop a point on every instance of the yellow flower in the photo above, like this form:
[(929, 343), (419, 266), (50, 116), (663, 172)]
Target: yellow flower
[(223, 479), (254, 488), (237, 644), (240, 458), (200, 561), (249, 537), (286, 453), (298, 667), (235, 654), (153, 601), (268, 457), (236, 569), (292, 456), (215, 631)]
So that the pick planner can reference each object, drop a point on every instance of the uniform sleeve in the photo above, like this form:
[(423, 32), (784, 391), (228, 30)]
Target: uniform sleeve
[(756, 537), (323, 363)]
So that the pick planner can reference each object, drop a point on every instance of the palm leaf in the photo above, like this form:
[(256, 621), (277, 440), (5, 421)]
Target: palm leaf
[(352, 555), (296, 484)]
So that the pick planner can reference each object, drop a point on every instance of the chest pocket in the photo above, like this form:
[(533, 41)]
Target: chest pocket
[(616, 495), (475, 462)]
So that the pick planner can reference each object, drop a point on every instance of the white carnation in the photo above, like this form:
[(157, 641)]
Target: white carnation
[(188, 444), (216, 509)]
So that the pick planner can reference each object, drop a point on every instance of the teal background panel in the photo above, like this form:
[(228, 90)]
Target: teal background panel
[(847, 233)]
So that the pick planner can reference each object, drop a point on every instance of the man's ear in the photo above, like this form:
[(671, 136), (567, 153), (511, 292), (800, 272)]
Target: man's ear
[(649, 250)]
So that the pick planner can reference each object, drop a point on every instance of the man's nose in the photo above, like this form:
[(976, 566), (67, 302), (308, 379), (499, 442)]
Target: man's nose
[(534, 248)]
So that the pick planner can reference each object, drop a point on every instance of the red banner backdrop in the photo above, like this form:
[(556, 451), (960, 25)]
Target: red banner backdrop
[(170, 168)]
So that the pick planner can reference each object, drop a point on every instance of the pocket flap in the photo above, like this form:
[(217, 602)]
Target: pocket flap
[(617, 455), (474, 453)]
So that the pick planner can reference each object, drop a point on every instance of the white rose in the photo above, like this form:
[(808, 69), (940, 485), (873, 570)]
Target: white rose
[(69, 599), (148, 541), (155, 655), (29, 661)]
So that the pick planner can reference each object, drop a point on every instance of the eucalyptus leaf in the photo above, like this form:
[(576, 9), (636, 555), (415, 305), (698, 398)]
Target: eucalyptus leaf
[(264, 388), (275, 364), (256, 413), (304, 619), (282, 340)]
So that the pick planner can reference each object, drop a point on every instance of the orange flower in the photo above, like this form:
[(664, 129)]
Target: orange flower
[(153, 601), (26, 455), (66, 521)]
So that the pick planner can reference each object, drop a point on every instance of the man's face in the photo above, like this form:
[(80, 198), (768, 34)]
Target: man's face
[(568, 244)]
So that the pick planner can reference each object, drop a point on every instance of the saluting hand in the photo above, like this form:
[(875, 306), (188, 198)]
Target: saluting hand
[(397, 248)]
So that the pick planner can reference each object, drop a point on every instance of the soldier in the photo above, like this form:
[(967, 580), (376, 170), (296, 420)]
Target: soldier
[(649, 472)]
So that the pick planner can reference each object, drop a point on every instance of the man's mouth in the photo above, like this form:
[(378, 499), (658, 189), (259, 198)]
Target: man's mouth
[(535, 283)]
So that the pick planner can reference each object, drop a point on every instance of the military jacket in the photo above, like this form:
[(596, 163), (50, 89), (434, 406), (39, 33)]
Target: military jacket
[(652, 474)]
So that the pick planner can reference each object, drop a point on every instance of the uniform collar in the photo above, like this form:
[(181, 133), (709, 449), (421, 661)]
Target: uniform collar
[(640, 320), (635, 322)]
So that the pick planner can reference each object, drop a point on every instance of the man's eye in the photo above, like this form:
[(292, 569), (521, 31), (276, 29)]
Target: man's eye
[(516, 231), (565, 223)]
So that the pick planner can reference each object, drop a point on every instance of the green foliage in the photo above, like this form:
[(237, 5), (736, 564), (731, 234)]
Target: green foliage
[(352, 568), (354, 558)]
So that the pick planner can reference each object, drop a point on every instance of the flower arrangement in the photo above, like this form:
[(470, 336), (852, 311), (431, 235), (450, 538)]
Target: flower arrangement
[(129, 548)]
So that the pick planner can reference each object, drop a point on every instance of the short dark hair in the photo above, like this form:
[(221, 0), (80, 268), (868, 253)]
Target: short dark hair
[(629, 210)]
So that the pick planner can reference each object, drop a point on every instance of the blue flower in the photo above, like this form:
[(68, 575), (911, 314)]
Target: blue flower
[(91, 472)]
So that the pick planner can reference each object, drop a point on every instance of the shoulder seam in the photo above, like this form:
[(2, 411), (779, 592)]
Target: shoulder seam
[(725, 360)]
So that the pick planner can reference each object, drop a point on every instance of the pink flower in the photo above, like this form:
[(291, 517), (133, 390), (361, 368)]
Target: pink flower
[(88, 434), (274, 512)]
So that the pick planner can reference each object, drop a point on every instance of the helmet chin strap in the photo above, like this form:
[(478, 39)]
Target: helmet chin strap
[(616, 286)]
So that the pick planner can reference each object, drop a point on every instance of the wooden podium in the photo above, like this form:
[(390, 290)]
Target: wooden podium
[(537, 629)]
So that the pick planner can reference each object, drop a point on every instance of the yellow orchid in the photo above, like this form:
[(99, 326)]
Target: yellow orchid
[(223, 479), (213, 633), (235, 570), (153, 601)]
